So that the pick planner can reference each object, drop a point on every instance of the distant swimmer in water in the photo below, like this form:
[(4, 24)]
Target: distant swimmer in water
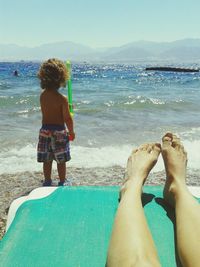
[(16, 73)]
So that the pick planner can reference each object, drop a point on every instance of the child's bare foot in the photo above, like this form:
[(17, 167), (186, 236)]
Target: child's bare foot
[(175, 159), (140, 163)]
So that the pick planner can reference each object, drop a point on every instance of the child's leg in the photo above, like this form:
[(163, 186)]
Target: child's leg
[(47, 167), (187, 209), (131, 242), (61, 167)]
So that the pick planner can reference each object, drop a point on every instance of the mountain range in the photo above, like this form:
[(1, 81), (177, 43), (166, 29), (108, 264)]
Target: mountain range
[(182, 50)]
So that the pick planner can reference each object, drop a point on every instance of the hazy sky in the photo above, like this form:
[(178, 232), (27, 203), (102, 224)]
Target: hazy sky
[(97, 23)]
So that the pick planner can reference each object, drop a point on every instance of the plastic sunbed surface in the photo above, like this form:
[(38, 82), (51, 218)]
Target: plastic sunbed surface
[(72, 226)]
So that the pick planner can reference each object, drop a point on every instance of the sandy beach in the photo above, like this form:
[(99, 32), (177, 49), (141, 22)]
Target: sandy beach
[(20, 184)]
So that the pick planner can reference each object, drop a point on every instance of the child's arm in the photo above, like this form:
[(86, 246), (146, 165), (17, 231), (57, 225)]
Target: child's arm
[(68, 119)]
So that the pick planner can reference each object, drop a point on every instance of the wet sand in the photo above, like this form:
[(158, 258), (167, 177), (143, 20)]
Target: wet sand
[(20, 184)]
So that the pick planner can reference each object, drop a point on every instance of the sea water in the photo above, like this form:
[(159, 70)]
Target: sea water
[(117, 107)]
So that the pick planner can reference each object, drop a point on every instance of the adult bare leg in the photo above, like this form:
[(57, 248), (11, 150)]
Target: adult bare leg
[(131, 242), (187, 209)]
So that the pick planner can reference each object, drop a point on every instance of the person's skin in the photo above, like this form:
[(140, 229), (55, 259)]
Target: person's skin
[(47, 168), (131, 242), (61, 167), (55, 110), (187, 209)]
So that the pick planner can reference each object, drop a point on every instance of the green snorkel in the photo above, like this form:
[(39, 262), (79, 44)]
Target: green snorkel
[(69, 84)]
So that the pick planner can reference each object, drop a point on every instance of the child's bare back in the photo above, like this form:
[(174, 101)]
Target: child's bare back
[(54, 107)]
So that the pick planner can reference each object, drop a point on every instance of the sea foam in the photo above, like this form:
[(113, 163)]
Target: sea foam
[(24, 159)]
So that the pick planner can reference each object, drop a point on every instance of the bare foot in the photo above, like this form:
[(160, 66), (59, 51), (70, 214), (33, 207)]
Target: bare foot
[(175, 159), (140, 163)]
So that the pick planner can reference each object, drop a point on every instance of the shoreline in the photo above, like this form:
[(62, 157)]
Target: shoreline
[(19, 184)]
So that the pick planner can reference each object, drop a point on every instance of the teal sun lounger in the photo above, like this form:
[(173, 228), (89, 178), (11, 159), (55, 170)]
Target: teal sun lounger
[(72, 226)]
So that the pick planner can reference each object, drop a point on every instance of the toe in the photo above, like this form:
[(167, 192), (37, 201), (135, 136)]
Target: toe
[(167, 139), (149, 148), (129, 159), (177, 145), (156, 149), (143, 147), (134, 151), (176, 141), (184, 152), (175, 137)]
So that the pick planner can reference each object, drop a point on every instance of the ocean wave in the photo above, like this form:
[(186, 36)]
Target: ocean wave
[(15, 101), (133, 103), (23, 159), (144, 100), (28, 111), (5, 86)]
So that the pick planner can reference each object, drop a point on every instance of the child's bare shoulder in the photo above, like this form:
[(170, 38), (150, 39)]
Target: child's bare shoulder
[(45, 93), (42, 95), (63, 98)]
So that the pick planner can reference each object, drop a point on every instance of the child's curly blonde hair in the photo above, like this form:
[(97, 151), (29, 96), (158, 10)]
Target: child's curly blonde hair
[(53, 74)]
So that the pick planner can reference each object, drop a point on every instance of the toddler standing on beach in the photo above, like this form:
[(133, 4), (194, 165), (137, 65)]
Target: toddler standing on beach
[(53, 137)]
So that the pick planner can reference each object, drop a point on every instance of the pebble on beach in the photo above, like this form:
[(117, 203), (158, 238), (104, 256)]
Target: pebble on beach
[(16, 185)]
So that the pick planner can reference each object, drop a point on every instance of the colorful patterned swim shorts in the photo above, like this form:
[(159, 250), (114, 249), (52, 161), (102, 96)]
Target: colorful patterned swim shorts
[(53, 145)]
